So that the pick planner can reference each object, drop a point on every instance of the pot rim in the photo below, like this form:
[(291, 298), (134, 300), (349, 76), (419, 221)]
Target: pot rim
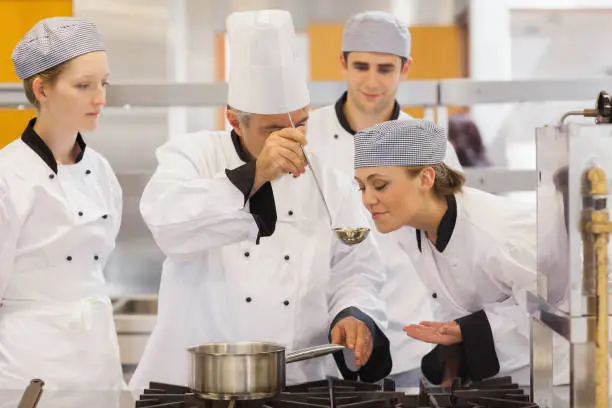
[(197, 349)]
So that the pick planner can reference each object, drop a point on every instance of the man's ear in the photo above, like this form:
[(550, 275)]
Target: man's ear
[(343, 61), (406, 67), (233, 121)]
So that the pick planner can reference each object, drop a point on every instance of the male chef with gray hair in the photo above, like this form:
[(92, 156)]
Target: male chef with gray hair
[(250, 252), (375, 56)]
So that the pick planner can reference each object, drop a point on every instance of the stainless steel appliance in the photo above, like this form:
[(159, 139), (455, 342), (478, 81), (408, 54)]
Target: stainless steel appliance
[(574, 165)]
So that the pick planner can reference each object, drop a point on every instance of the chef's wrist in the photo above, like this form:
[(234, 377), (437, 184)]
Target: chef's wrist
[(357, 314), (455, 330), (257, 184), (258, 181), (478, 343)]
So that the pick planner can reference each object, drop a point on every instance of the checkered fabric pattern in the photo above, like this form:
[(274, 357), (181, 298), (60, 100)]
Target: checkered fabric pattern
[(409, 142), (376, 31), (53, 41)]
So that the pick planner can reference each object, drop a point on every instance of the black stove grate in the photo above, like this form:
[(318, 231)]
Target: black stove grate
[(331, 393), (498, 392), (335, 393)]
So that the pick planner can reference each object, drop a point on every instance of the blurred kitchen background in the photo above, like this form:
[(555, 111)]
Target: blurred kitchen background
[(508, 65)]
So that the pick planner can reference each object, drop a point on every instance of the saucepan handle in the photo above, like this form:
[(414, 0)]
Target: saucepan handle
[(312, 352), (32, 393)]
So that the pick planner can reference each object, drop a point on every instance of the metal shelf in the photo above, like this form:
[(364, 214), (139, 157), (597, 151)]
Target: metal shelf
[(448, 92), (499, 180), (465, 92)]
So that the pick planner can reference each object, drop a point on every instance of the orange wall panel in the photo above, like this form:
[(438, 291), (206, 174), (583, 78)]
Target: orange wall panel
[(16, 18), (220, 75), (325, 43), (438, 53)]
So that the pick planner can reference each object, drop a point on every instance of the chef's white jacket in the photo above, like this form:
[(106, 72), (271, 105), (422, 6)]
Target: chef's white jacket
[(479, 272), (264, 268), (58, 225)]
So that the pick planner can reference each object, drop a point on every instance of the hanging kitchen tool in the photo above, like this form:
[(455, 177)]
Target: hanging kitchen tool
[(350, 236), (602, 112), (32, 394), (244, 370)]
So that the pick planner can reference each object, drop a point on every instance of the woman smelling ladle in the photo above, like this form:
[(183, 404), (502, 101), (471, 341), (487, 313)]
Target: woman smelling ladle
[(475, 252)]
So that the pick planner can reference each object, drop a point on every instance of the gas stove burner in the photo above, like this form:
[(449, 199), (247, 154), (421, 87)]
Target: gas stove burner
[(334, 393), (498, 392), (331, 393)]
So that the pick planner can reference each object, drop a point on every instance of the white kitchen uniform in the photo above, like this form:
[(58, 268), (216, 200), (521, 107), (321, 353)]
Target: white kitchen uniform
[(218, 285), (334, 143), (488, 264), (58, 227), (406, 299)]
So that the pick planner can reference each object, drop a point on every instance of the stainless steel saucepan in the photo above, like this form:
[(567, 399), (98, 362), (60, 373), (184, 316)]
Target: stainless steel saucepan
[(244, 370)]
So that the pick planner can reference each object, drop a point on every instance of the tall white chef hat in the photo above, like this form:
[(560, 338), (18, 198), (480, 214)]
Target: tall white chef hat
[(409, 142), (53, 41), (266, 76), (376, 31)]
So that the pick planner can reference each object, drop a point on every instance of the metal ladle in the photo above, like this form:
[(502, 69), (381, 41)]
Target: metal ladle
[(350, 236)]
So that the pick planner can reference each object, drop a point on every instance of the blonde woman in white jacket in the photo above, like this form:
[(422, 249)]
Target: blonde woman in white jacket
[(475, 252), (60, 213)]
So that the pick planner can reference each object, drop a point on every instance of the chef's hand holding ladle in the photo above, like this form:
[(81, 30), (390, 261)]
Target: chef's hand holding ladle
[(280, 155)]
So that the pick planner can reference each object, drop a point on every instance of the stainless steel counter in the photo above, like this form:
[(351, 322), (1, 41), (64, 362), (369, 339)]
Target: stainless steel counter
[(135, 318), (72, 399), (135, 267)]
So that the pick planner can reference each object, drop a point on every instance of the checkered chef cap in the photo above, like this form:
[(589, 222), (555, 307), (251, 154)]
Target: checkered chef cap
[(53, 41), (376, 31), (411, 142)]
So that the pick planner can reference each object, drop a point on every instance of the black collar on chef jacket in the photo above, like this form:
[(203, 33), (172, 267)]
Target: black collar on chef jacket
[(31, 138), (242, 153), (344, 121), (446, 227)]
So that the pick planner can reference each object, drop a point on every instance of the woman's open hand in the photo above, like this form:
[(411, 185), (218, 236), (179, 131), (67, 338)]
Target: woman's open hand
[(445, 333)]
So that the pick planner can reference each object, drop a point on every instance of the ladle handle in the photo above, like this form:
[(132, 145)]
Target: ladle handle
[(312, 352), (314, 175)]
